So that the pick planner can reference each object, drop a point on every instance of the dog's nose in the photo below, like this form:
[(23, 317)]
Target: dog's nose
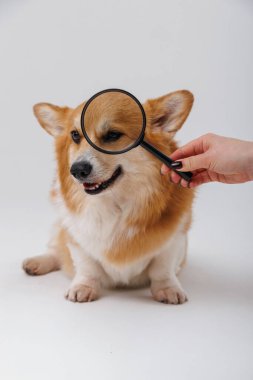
[(81, 170)]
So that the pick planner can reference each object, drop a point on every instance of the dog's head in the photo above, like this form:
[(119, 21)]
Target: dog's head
[(83, 167)]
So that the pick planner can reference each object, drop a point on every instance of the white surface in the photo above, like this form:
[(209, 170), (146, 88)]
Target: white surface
[(62, 52)]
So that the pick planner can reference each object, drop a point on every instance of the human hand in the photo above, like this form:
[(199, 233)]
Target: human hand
[(213, 158)]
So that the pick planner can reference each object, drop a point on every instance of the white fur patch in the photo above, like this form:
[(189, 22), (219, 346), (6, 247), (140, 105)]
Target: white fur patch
[(95, 229)]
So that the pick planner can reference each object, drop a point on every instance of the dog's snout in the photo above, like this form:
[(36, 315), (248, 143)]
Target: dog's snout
[(81, 170)]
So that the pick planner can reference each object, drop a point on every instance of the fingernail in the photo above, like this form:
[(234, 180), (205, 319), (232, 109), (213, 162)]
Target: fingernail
[(176, 165)]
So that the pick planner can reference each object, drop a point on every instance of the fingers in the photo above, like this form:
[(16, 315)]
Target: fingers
[(165, 169), (192, 156), (193, 148), (190, 164), (198, 178), (175, 178)]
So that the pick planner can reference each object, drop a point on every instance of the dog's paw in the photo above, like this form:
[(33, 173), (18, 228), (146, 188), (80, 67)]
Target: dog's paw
[(81, 293), (32, 266), (40, 264), (171, 295)]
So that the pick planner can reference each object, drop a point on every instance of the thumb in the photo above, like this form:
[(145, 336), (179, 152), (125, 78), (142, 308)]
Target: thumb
[(194, 163)]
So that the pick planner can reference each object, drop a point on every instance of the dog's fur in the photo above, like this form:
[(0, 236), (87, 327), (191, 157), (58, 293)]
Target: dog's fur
[(134, 232)]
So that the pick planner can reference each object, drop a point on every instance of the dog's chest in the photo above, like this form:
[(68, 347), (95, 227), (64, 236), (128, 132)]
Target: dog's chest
[(96, 227)]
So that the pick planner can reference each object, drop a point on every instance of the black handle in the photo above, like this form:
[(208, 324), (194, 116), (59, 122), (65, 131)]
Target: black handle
[(165, 159)]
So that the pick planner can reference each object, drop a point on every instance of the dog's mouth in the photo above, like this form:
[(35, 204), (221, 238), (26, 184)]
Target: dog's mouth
[(96, 188)]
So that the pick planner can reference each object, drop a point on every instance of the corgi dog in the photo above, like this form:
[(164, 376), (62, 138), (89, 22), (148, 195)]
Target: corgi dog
[(121, 223)]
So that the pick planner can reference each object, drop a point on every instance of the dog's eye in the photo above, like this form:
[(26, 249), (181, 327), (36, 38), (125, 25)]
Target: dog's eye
[(111, 136), (75, 136)]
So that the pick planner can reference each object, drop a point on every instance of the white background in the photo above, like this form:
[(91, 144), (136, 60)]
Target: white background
[(63, 52)]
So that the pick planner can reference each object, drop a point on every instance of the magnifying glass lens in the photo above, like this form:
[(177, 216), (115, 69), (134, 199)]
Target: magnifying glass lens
[(113, 122)]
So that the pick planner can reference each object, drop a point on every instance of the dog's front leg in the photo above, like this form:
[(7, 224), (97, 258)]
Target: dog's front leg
[(85, 286), (165, 286)]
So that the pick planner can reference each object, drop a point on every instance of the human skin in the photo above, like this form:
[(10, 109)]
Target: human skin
[(213, 158)]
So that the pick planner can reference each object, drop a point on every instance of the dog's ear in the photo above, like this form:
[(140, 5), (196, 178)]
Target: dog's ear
[(51, 118), (169, 112)]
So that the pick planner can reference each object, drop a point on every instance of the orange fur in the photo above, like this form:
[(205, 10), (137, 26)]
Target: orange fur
[(158, 216)]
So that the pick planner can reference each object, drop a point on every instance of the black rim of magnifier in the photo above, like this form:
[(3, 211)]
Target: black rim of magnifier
[(144, 120)]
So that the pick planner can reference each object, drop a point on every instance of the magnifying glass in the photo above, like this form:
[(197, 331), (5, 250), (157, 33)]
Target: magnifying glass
[(113, 121)]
